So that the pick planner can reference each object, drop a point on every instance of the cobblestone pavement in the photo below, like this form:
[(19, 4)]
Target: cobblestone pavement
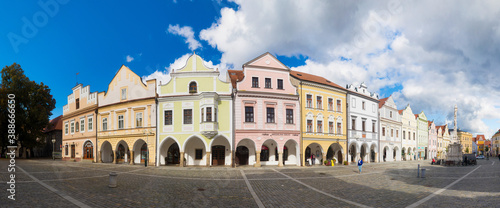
[(47, 183)]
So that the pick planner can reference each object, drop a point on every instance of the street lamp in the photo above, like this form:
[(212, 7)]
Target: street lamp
[(53, 146)]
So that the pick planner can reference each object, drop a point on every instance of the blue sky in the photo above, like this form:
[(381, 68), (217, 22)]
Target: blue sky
[(429, 57)]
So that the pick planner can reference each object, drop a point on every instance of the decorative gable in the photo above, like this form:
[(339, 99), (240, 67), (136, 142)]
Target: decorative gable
[(194, 64), (266, 60)]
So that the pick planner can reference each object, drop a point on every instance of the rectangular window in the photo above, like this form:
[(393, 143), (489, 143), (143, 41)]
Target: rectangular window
[(392, 132), (289, 116), (168, 117), (72, 127), (339, 105), (138, 119), (105, 124), (66, 149), (413, 135), (330, 127), (320, 127), (309, 125), (66, 128), (319, 103), (409, 135), (330, 104), (91, 124), (124, 94), (383, 131), (270, 115), (363, 125), (188, 116), (404, 134), (255, 82), (363, 105), (353, 124), (82, 125), (77, 103), (280, 84), (373, 126), (397, 133), (120, 122), (309, 101), (390, 114), (267, 83), (209, 114), (198, 154), (339, 128), (248, 113)]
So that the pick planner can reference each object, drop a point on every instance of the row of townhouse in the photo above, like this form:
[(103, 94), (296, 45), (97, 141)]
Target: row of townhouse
[(265, 114)]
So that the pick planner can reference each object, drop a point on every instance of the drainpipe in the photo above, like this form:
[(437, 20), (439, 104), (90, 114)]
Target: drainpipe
[(301, 139), (96, 154), (233, 131), (157, 153), (347, 125)]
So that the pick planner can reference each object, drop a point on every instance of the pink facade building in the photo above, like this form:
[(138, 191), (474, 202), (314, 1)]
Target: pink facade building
[(432, 139), (267, 114)]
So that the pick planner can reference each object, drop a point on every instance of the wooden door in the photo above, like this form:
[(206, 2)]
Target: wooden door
[(72, 151), (218, 155)]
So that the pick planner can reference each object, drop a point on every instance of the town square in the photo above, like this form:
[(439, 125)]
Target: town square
[(392, 184)]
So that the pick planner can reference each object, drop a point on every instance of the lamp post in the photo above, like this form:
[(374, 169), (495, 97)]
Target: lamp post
[(146, 132), (53, 146)]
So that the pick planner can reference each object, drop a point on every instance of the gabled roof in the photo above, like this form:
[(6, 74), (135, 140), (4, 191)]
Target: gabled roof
[(429, 123), (400, 112), (382, 102), (313, 78), (416, 115), (480, 137), (236, 76), (54, 124)]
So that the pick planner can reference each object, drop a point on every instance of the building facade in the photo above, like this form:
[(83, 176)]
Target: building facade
[(466, 141), (362, 113), (495, 140), (323, 115), (196, 117), (79, 125), (422, 136), (409, 126), (446, 139), (433, 141), (127, 120), (440, 142), (267, 114), (390, 130)]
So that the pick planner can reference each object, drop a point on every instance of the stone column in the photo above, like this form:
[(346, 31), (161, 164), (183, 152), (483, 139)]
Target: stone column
[(99, 159), (376, 157), (280, 159), (324, 158), (232, 159), (132, 157), (257, 159), (181, 164), (208, 159), (302, 159)]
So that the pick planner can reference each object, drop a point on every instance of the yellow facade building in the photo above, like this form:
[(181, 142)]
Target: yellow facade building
[(127, 120), (323, 118), (465, 140)]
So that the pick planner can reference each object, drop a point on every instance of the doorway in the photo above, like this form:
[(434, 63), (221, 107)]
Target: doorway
[(242, 155), (173, 154), (88, 150), (218, 155), (144, 152), (72, 151)]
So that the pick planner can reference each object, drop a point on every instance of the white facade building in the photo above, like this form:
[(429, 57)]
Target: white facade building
[(409, 141), (390, 131), (363, 124)]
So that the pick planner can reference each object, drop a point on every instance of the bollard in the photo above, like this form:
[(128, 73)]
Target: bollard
[(423, 173), (112, 180), (418, 171)]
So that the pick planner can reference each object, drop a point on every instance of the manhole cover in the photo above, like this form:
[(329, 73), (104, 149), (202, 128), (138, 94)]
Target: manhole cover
[(201, 189)]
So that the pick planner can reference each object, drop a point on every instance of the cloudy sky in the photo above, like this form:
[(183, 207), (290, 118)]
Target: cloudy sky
[(431, 55)]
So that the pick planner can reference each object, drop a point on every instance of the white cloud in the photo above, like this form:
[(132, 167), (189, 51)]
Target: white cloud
[(129, 58), (187, 33), (437, 54)]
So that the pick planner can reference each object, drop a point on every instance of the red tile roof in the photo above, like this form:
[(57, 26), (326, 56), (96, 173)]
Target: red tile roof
[(400, 111), (429, 122), (54, 124), (480, 137), (314, 78), (416, 115), (382, 102), (487, 142), (236, 76)]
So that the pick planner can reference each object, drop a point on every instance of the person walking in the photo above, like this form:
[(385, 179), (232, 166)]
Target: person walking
[(360, 164), (313, 158)]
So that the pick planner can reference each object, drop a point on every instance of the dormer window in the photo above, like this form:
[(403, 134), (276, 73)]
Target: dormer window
[(193, 88)]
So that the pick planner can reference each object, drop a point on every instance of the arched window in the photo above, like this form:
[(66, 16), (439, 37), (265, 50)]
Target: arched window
[(192, 87)]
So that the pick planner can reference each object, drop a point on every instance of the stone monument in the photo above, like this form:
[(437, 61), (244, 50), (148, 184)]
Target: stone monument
[(455, 148)]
